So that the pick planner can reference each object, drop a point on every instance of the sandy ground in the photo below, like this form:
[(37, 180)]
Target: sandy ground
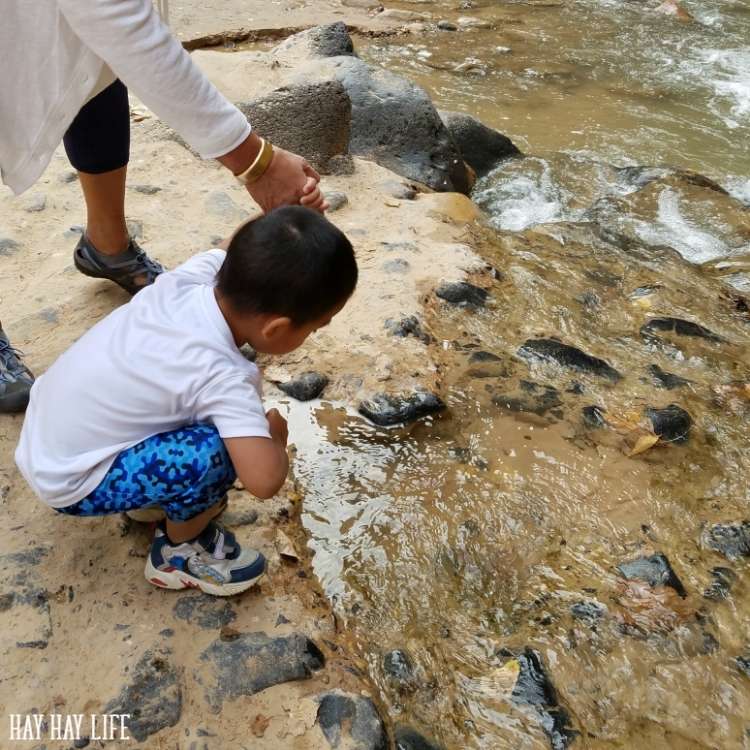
[(77, 617)]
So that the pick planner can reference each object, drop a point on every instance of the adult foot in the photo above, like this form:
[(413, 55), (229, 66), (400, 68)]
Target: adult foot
[(213, 562), (15, 378), (131, 269)]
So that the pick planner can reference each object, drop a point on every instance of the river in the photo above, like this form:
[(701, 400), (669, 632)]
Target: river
[(483, 557)]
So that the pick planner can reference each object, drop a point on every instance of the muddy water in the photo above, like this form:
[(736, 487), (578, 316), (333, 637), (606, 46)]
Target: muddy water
[(464, 549)]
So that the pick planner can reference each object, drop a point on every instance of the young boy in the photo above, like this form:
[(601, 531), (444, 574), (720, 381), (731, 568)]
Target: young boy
[(156, 405)]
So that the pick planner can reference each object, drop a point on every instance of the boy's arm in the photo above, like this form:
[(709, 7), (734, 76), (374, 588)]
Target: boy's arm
[(262, 464)]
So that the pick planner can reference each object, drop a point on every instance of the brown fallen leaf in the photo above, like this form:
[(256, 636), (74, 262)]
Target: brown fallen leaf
[(259, 725), (643, 443), (285, 547)]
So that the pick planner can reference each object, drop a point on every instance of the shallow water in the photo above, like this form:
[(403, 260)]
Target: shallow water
[(499, 526)]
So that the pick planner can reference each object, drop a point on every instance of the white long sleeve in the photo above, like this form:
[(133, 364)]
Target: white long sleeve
[(131, 38)]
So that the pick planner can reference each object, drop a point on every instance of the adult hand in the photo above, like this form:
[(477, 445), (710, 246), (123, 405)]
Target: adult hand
[(289, 180)]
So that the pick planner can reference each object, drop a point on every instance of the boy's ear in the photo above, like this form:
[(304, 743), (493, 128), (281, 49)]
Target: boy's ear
[(275, 327)]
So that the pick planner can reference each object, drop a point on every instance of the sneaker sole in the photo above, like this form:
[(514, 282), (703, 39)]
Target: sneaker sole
[(178, 580), (15, 403)]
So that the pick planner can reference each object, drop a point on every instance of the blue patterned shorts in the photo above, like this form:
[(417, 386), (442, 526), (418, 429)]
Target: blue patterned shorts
[(184, 472)]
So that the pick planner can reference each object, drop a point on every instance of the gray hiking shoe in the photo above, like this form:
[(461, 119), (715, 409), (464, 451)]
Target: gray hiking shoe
[(15, 379), (131, 269)]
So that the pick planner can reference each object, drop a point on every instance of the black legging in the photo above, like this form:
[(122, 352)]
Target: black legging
[(99, 138)]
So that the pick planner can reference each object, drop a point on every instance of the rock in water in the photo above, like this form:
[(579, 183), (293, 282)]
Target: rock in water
[(386, 410), (721, 584), (397, 664), (306, 387), (593, 416), (551, 350), (351, 721), (531, 398), (409, 739), (462, 293), (325, 109), (481, 147), (654, 570), (680, 327), (254, 661), (534, 688), (730, 539), (672, 423), (667, 380), (408, 325), (394, 121), (153, 698)]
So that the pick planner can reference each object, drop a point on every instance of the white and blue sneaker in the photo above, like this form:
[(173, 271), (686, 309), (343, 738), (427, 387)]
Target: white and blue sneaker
[(213, 562)]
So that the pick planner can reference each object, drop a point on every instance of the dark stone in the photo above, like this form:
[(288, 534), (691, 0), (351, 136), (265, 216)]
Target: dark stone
[(481, 147), (666, 380), (409, 739), (40, 644), (336, 200), (82, 742), (281, 620), (588, 611), (8, 246), (330, 40), (593, 416), (721, 585), (409, 325), (397, 664), (166, 633), (654, 570), (743, 664), (447, 26), (351, 721), (153, 698), (145, 189), (532, 398), (398, 190), (325, 109), (306, 387), (534, 688), (386, 410), (680, 327), (254, 661), (205, 611), (462, 293), (482, 356), (730, 539), (551, 350), (672, 423)]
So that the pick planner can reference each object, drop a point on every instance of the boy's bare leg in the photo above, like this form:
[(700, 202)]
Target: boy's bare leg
[(187, 530), (105, 210)]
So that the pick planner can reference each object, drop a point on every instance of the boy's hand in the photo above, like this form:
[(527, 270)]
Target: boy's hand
[(278, 426)]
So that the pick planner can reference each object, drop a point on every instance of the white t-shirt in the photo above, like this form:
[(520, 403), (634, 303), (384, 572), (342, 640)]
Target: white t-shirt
[(164, 360)]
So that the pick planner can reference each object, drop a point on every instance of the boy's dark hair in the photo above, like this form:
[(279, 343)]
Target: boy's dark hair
[(291, 262)]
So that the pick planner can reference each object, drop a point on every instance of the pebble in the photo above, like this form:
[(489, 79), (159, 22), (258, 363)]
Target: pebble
[(35, 203), (462, 293), (336, 201), (680, 327), (667, 380), (593, 416), (145, 189), (68, 176), (531, 398), (730, 539), (447, 26), (588, 611), (8, 246), (351, 721), (397, 664), (721, 585), (398, 190), (672, 423), (408, 325), (551, 350), (654, 570), (386, 410), (397, 265), (306, 387)]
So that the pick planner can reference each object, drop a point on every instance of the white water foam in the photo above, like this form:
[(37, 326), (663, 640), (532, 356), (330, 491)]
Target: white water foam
[(727, 72)]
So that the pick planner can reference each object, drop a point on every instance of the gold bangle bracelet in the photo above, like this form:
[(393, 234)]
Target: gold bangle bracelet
[(259, 166)]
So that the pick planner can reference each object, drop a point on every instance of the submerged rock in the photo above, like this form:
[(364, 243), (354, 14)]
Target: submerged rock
[(680, 327), (385, 410), (323, 106), (408, 325), (254, 661), (153, 699), (654, 570), (721, 585), (535, 689), (672, 423), (667, 380), (397, 664), (743, 664), (462, 293), (588, 611), (351, 721), (531, 398), (593, 416), (730, 539), (306, 387), (551, 350), (481, 147), (407, 738)]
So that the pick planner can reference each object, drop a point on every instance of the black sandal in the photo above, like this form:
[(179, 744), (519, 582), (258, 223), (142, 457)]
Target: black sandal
[(133, 269)]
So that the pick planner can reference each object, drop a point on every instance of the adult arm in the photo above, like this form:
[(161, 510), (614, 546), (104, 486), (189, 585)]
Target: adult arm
[(131, 38)]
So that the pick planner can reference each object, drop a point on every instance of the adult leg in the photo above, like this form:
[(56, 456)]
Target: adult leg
[(98, 146)]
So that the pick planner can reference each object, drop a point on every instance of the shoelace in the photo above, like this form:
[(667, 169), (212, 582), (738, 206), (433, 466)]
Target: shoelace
[(152, 268), (10, 358), (218, 552)]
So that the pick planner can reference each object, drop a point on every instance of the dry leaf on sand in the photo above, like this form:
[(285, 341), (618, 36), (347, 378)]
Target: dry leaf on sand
[(644, 442), (259, 725)]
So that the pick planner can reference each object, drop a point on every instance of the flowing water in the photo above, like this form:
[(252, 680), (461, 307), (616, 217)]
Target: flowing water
[(469, 553)]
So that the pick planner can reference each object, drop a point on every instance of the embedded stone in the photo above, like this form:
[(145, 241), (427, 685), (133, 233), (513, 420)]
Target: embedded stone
[(462, 293), (672, 423), (654, 570), (551, 350), (385, 410), (306, 387)]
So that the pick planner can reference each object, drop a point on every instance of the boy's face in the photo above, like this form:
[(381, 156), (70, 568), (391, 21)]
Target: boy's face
[(281, 335)]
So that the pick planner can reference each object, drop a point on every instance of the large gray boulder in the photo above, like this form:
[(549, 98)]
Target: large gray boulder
[(394, 122), (481, 147), (311, 119)]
